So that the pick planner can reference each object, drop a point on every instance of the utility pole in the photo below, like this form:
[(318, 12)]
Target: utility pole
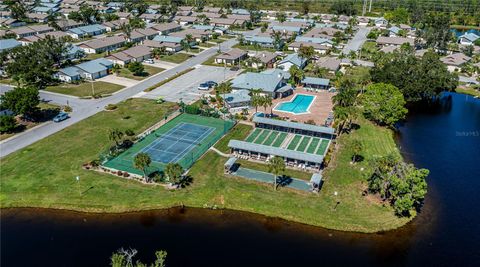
[(370, 7), (364, 7)]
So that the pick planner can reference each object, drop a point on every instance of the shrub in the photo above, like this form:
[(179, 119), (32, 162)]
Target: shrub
[(126, 174), (129, 132), (136, 68), (67, 109), (7, 123), (111, 107)]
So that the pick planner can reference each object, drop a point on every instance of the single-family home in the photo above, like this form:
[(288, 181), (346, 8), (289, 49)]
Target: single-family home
[(86, 31), (197, 35), (232, 57), (134, 54), (139, 35), (11, 23), (262, 59), (381, 23), (95, 69), (263, 41), (166, 28), (68, 74), (318, 48), (468, 38), (169, 46), (184, 20), (332, 64), (103, 44), (394, 31), (113, 25), (363, 21), (394, 41), (36, 17), (455, 61), (226, 22), (292, 60), (67, 24)]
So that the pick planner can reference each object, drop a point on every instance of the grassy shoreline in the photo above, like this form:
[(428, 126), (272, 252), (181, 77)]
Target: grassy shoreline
[(468, 91), (31, 179)]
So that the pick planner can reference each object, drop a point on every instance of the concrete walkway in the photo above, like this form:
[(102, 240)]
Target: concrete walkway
[(219, 152), (118, 80)]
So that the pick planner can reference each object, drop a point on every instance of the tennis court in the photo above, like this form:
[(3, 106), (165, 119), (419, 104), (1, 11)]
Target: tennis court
[(182, 140)]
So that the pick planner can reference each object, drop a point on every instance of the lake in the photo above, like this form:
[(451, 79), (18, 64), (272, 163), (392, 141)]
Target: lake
[(459, 32), (444, 138)]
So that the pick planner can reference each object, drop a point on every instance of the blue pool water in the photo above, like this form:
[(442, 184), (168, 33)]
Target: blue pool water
[(299, 104)]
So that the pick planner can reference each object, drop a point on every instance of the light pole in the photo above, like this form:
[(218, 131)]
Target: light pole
[(77, 178), (336, 199)]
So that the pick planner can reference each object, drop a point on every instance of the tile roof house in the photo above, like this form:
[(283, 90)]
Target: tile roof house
[(232, 57), (103, 44), (455, 61), (291, 60)]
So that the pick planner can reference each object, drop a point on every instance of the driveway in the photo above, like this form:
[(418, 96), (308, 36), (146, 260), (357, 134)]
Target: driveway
[(118, 80), (185, 87), (87, 108), (357, 41)]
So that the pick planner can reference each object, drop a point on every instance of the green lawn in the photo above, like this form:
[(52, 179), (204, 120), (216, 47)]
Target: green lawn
[(239, 132), (43, 175), (149, 71), (253, 48), (468, 91), (176, 58), (278, 142), (211, 61), (85, 88), (218, 41)]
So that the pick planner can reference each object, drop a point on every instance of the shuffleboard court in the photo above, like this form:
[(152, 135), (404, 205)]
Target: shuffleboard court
[(182, 140)]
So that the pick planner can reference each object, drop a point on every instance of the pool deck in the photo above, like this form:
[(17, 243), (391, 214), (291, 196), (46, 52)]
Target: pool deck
[(318, 110)]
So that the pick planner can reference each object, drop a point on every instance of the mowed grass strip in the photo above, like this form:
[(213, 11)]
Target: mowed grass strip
[(281, 137), (271, 138), (85, 88), (263, 136), (293, 144), (313, 145), (253, 135), (239, 132), (176, 58), (323, 146), (304, 143)]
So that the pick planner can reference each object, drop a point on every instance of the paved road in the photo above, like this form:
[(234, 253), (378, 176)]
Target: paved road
[(469, 80), (186, 87), (83, 109), (357, 41)]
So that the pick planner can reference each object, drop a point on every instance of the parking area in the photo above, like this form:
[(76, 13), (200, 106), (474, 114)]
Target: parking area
[(185, 87)]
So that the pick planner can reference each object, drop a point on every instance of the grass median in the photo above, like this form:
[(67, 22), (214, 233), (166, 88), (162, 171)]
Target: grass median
[(84, 89)]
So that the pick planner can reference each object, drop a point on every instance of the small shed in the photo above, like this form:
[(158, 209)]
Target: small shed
[(229, 165), (316, 181)]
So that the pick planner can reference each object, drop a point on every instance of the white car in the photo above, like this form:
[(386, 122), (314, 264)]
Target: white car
[(149, 61)]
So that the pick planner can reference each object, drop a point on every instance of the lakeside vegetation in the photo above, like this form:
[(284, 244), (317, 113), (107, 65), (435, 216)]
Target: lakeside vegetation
[(31, 179), (468, 91)]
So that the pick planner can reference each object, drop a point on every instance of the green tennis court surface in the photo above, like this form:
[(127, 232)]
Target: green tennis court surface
[(182, 140)]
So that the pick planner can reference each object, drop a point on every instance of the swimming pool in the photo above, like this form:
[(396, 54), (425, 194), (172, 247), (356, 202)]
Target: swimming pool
[(298, 105)]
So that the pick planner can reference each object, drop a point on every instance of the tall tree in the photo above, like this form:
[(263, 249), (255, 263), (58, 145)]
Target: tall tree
[(276, 166), (256, 98), (306, 51), (115, 135), (384, 104), (142, 161), (281, 17), (435, 30), (21, 101), (174, 172)]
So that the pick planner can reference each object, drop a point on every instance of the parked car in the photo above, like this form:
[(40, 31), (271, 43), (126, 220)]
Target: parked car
[(234, 68), (60, 117), (207, 85), (149, 61)]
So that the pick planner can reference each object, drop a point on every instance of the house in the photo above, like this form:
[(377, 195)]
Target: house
[(7, 44), (184, 20), (68, 74), (318, 48), (169, 47), (149, 18), (215, 29), (45, 10), (271, 82), (322, 32), (363, 21), (139, 35), (238, 100), (103, 44), (25, 31), (232, 57), (468, 38), (73, 52), (124, 15), (240, 11), (95, 69), (67, 24), (394, 41), (381, 23), (394, 31), (292, 60), (315, 83), (33, 38), (263, 41), (332, 64), (40, 18), (166, 28), (197, 35), (168, 39), (226, 22), (11, 23), (287, 29), (262, 59), (86, 31), (455, 61), (113, 25), (135, 54)]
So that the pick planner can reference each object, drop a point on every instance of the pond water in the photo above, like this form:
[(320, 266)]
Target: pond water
[(459, 32), (444, 138)]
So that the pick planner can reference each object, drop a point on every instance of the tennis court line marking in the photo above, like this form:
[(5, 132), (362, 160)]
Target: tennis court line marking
[(189, 148)]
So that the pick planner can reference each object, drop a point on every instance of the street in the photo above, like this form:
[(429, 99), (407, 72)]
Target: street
[(357, 41), (83, 109)]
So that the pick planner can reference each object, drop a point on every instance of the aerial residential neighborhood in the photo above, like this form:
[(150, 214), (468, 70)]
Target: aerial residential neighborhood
[(231, 114)]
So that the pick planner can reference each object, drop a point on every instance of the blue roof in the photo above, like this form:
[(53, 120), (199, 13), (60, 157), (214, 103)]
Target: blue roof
[(395, 29), (70, 71), (259, 39), (115, 4), (238, 96), (240, 11), (294, 59), (317, 81), (311, 21), (45, 9), (470, 36), (73, 50), (97, 65), (312, 40), (6, 44), (286, 28), (203, 27), (50, 5), (50, 1), (268, 82), (168, 39), (88, 29)]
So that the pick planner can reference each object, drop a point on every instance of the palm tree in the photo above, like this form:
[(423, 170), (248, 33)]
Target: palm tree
[(142, 161), (126, 28), (115, 135), (357, 149), (267, 102), (277, 39), (256, 98), (276, 165), (189, 39), (173, 171)]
